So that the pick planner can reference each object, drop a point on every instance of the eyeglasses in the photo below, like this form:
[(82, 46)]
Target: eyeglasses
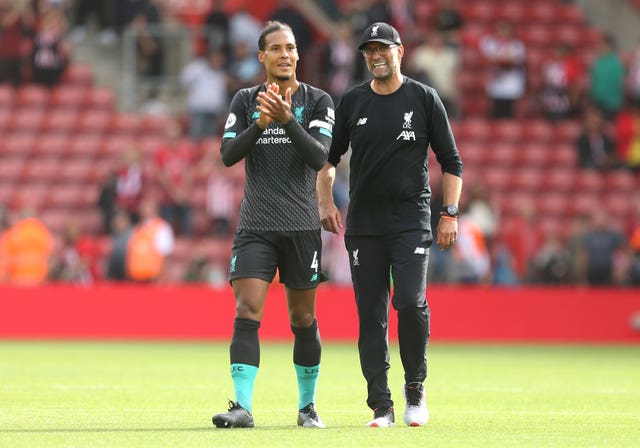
[(382, 50)]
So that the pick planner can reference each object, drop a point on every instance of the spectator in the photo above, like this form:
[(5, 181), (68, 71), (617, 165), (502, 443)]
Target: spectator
[(562, 77), (552, 263), (205, 82), (103, 12), (606, 91), (201, 270), (51, 51), (150, 243), (149, 44), (506, 55), (596, 150), (121, 232), (246, 28), (634, 269), (470, 261), (597, 251), (436, 64), (633, 76), (4, 227), (448, 21), (522, 236), (216, 24), (341, 59), (130, 182), (627, 126), (107, 200), (175, 169), (245, 70), (287, 12), (16, 20), (221, 203), (76, 260), (28, 246), (483, 212)]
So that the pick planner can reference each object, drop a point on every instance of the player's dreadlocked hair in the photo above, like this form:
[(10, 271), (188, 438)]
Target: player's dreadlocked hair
[(270, 27)]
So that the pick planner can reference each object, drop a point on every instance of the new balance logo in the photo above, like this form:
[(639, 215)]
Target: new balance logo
[(361, 121), (407, 135), (420, 250)]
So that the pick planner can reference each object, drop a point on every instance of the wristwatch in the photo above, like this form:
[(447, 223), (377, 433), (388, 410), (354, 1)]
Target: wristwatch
[(450, 210)]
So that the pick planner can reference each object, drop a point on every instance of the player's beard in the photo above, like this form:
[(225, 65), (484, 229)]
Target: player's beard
[(386, 76), (283, 78)]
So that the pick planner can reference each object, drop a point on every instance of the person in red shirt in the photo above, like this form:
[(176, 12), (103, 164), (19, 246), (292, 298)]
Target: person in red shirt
[(16, 17), (175, 168)]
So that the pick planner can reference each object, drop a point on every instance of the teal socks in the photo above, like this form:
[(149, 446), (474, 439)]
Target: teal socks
[(244, 376), (307, 381)]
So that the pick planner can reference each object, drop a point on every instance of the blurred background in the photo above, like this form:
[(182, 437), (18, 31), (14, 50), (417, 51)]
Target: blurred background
[(111, 112)]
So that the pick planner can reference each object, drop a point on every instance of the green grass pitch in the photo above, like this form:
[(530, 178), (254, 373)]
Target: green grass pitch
[(161, 394)]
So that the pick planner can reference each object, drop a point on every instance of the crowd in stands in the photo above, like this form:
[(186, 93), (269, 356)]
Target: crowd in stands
[(147, 199)]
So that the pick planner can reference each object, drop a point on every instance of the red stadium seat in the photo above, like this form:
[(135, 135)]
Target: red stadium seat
[(472, 153), (56, 219), (553, 204), (52, 145), (32, 194), (527, 179), (543, 12), (125, 123), (78, 74), (32, 96), (6, 190), (584, 203), (28, 120), (7, 96), (507, 130), (559, 180), (20, 144), (96, 121), (61, 120), (537, 130), (64, 196), (621, 181), (532, 154), (567, 131), (75, 170), (476, 129), (563, 154), (497, 178), (69, 96), (43, 169), (501, 154), (11, 168), (589, 181), (617, 204), (85, 145), (100, 98), (5, 119)]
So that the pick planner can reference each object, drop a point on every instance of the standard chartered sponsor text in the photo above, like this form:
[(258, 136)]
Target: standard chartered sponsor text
[(273, 136)]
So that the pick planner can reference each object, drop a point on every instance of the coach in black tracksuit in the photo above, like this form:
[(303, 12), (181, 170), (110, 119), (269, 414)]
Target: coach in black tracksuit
[(390, 122)]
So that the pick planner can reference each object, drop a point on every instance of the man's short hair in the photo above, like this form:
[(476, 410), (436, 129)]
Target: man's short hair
[(271, 27)]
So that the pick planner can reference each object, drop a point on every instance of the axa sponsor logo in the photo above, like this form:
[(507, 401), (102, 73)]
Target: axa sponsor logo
[(407, 132)]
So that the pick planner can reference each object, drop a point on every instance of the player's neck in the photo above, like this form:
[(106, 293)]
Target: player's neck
[(387, 86), (285, 84)]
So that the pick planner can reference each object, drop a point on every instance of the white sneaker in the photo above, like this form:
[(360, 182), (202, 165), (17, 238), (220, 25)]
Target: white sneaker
[(309, 418), (416, 412), (382, 418)]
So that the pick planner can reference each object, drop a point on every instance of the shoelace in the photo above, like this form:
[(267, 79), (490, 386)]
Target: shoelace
[(414, 396)]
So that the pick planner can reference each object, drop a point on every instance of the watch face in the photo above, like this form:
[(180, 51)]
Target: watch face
[(452, 210)]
